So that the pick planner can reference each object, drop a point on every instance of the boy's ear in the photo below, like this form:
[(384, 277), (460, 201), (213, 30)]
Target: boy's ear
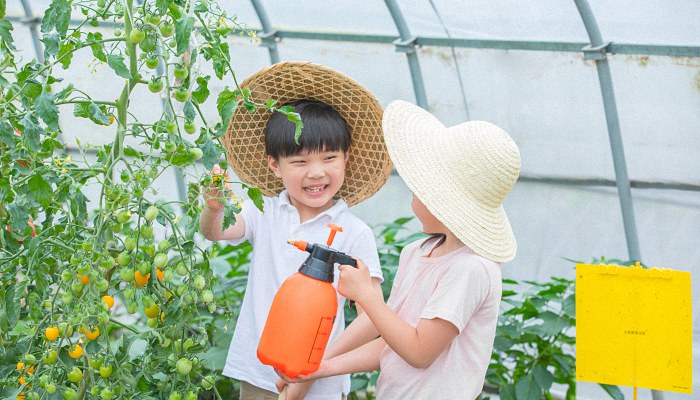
[(347, 155), (274, 166)]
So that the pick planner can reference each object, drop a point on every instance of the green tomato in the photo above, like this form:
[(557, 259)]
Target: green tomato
[(83, 268), (190, 127), (170, 147), (208, 382), (124, 258), (149, 249), (170, 127), (144, 268), (136, 36), (130, 243), (155, 19), (196, 153), (163, 245), (66, 275), (106, 371), (132, 307), (50, 388), (123, 216), (67, 298), (180, 72), (75, 375), (199, 282), (152, 62), (102, 285), (174, 396), (50, 356), (182, 95), (87, 246), (207, 296), (95, 361), (151, 213), (184, 366), (118, 32), (167, 29), (106, 393), (211, 307), (191, 395), (155, 85), (126, 274), (100, 3), (69, 394), (181, 269), (160, 260), (147, 231)]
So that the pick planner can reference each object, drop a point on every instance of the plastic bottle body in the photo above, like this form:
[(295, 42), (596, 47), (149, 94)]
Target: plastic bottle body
[(299, 325)]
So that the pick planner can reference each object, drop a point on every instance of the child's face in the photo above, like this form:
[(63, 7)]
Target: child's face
[(430, 223), (311, 179)]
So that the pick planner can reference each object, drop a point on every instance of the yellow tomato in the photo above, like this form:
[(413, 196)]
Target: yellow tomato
[(92, 332), (75, 351), (109, 300), (51, 333)]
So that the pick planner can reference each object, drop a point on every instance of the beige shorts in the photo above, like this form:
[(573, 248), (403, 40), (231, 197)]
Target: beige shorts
[(250, 392)]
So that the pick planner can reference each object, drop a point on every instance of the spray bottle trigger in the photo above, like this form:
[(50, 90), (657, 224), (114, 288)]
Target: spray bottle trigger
[(344, 259)]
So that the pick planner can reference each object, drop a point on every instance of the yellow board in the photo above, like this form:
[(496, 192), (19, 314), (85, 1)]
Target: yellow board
[(634, 327)]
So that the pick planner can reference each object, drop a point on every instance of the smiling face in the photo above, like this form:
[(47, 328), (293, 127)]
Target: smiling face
[(311, 179)]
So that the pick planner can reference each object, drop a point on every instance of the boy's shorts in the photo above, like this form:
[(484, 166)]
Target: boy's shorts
[(250, 392)]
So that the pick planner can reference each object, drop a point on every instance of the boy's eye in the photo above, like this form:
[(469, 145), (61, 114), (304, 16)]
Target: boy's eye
[(331, 157)]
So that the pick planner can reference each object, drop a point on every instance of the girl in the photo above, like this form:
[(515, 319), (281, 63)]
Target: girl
[(434, 337)]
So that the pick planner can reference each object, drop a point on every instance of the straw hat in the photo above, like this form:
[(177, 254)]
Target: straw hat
[(369, 166), (461, 174)]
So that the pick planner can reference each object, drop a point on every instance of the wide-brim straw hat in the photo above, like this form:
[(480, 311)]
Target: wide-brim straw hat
[(369, 165), (461, 174)]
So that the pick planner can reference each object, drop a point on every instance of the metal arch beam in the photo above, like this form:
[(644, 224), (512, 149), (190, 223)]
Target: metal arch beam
[(597, 51), (32, 22), (269, 36), (407, 44)]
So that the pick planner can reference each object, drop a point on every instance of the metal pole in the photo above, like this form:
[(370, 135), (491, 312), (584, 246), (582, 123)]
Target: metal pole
[(269, 36), (33, 21), (407, 44), (598, 51)]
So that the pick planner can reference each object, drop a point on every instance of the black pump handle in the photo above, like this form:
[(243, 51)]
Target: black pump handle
[(344, 259)]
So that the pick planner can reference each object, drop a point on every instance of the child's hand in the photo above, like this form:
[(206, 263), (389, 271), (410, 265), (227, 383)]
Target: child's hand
[(212, 193), (355, 283), (295, 391)]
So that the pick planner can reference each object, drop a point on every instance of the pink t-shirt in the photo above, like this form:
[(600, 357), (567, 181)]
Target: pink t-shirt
[(460, 287)]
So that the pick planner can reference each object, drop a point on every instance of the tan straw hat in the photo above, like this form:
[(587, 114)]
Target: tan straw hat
[(369, 166), (461, 174)]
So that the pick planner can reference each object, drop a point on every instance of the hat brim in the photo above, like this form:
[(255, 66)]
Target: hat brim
[(369, 165), (415, 140)]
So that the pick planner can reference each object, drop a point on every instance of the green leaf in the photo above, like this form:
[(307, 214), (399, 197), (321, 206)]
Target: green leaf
[(210, 152), (97, 48), (78, 206), (132, 152), (41, 190), (188, 110), (47, 110), (117, 64), (18, 217), (3, 6), (93, 112), (552, 325), (296, 119), (137, 349), (6, 34), (613, 391), (543, 377), (162, 6), (569, 305), (226, 104), (31, 134), (57, 16), (507, 392), (229, 216), (51, 44), (7, 134), (201, 93), (527, 389), (183, 30), (65, 54), (256, 196)]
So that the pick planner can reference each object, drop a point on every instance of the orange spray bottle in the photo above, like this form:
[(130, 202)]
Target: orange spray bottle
[(303, 311)]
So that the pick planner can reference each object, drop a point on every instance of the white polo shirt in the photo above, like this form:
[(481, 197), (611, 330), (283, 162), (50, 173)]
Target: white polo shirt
[(273, 261)]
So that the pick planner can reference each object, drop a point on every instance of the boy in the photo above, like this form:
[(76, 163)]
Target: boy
[(301, 183)]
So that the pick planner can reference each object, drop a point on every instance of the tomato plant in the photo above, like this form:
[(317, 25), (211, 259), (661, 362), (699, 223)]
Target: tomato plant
[(111, 297)]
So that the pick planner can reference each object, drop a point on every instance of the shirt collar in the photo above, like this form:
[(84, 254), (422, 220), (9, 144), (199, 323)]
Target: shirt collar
[(332, 212)]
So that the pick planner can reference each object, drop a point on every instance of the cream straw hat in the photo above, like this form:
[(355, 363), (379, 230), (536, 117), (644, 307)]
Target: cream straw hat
[(461, 174), (369, 166)]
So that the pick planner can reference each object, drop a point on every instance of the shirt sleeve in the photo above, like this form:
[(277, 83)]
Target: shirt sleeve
[(459, 292), (406, 252), (365, 248), (251, 217)]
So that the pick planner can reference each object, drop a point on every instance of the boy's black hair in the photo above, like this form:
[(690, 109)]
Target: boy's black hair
[(324, 130)]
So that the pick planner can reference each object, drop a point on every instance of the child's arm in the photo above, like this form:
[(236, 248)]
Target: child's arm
[(359, 332), (212, 216), (418, 346)]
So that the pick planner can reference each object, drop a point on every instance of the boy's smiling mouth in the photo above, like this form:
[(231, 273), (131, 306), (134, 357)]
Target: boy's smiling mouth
[(315, 189)]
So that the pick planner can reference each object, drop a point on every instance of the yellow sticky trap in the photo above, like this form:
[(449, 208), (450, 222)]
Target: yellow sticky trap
[(634, 327)]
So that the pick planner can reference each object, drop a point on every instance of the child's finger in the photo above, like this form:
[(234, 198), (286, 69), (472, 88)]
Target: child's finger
[(280, 384)]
